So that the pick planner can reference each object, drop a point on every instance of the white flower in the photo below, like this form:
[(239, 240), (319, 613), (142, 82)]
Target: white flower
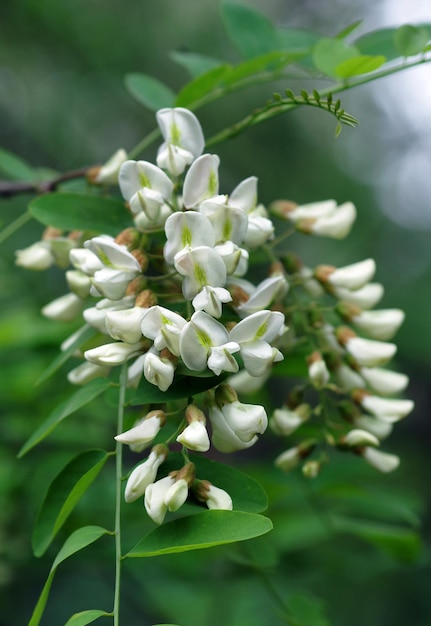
[(244, 196), (235, 258), (387, 409), (176, 495), (229, 223), (262, 295), (204, 342), (158, 371), (381, 461), (285, 421), (125, 324), (210, 300), (85, 372), (163, 326), (358, 437), (347, 378), (36, 257), (317, 371), (146, 187), (381, 324), (144, 431), (113, 353), (352, 276), (201, 267), (195, 437), (63, 309), (246, 420), (243, 382), (78, 282), (96, 316), (218, 499), (85, 260), (366, 298), (184, 140), (201, 181), (144, 474), (108, 173), (335, 224), (187, 229), (370, 353), (254, 334), (119, 267), (260, 229), (312, 210), (223, 437), (155, 498), (288, 459), (383, 381), (374, 425)]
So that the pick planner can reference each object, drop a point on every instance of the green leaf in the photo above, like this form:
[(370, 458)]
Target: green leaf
[(348, 30), (328, 54), (82, 336), (15, 168), (79, 399), (195, 91), (399, 542), (74, 211), (295, 39), (205, 530), (250, 31), (63, 494), (269, 62), (410, 40), (78, 540), (182, 387), (195, 64), (149, 91), (363, 64), (246, 493), (304, 610), (86, 617), (378, 42), (382, 42)]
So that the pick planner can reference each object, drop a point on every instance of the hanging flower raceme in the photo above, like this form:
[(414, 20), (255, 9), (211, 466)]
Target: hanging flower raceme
[(177, 298)]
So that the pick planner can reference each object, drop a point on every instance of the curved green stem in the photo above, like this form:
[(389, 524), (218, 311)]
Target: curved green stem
[(142, 145), (14, 226), (118, 494), (261, 115)]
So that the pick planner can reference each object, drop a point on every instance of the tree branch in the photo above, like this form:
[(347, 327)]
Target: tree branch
[(10, 188)]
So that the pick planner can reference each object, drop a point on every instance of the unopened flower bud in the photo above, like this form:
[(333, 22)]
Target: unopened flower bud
[(63, 309), (195, 435), (317, 370), (358, 438), (214, 497), (285, 421), (144, 431), (144, 474), (381, 461), (113, 353), (36, 257), (311, 469)]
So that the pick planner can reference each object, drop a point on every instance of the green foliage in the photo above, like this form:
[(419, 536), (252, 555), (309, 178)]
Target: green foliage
[(69, 211), (195, 64), (204, 530), (63, 494), (76, 401), (251, 32), (149, 91), (411, 40), (15, 168), (77, 541), (246, 493), (86, 617)]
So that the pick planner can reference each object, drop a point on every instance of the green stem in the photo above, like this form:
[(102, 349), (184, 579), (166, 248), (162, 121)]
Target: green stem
[(256, 116), (118, 494), (142, 145), (14, 226)]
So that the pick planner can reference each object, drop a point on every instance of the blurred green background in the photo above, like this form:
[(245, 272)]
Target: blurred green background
[(63, 104)]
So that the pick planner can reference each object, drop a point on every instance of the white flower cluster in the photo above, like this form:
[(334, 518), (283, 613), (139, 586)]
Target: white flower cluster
[(172, 297), (348, 364)]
